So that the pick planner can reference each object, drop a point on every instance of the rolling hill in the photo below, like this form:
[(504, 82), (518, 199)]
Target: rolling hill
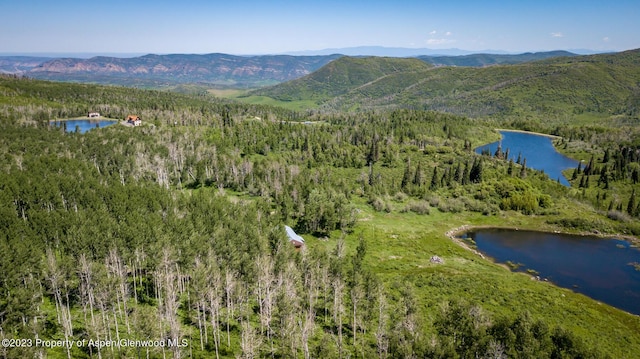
[(600, 85), (480, 60), (344, 75)]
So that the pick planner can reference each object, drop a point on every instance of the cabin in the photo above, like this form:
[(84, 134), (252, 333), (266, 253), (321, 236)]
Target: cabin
[(134, 120), (93, 115), (294, 238)]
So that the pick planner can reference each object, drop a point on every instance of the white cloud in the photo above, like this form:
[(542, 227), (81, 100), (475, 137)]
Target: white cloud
[(448, 33), (557, 34), (433, 32), (606, 39)]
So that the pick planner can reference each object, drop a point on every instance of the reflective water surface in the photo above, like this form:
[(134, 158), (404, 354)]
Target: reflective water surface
[(602, 269), (538, 150), (82, 125)]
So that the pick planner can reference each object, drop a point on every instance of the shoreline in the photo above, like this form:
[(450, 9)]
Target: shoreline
[(85, 119), (454, 233), (529, 132)]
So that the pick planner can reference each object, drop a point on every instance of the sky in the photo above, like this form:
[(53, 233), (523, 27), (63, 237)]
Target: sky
[(244, 27)]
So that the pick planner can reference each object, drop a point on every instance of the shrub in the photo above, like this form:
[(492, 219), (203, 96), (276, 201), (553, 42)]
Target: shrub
[(421, 207), (380, 205), (452, 205), (400, 197), (618, 216)]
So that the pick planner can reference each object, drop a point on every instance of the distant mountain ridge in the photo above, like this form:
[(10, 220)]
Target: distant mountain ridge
[(213, 69), (219, 69), (20, 64), (419, 52), (485, 59)]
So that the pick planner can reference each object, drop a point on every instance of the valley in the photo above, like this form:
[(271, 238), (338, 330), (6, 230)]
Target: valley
[(174, 229)]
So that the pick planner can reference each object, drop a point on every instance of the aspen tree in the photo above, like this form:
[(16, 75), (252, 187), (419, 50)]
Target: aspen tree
[(87, 289), (250, 341), (229, 288), (56, 278), (116, 268), (213, 296), (382, 331), (167, 278)]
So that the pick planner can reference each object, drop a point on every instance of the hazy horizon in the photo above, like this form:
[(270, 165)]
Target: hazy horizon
[(349, 51), (255, 28)]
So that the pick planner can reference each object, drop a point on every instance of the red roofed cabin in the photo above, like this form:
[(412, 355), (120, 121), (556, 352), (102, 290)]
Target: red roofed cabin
[(134, 120)]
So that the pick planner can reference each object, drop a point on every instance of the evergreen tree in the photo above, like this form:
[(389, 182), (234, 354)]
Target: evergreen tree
[(475, 176), (459, 173), (434, 180), (523, 170), (498, 154), (406, 178), (576, 172), (588, 170), (417, 178), (466, 176), (631, 206)]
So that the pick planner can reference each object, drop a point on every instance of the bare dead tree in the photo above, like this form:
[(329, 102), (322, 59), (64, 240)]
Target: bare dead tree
[(198, 289), (168, 279), (338, 309), (250, 341), (229, 288), (382, 334), (213, 295), (57, 280), (116, 268), (87, 295), (265, 284)]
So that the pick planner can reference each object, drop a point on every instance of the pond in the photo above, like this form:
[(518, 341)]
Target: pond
[(537, 149), (607, 270), (82, 125)]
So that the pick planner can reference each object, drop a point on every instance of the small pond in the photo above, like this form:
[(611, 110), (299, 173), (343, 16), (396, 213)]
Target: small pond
[(607, 270), (82, 126), (537, 149)]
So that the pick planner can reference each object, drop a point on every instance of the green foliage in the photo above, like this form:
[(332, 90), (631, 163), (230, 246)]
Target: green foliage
[(175, 229), (581, 86)]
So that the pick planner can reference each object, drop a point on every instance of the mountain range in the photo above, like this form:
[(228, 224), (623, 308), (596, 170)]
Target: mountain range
[(219, 70), (601, 85), (159, 70)]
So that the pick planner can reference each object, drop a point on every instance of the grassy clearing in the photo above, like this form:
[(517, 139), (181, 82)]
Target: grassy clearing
[(400, 245), (226, 93), (290, 105)]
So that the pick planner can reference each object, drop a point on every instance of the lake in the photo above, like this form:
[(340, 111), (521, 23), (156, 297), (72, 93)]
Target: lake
[(537, 149), (83, 125), (599, 268)]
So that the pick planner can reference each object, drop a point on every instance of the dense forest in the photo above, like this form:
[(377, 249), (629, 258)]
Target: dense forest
[(168, 240), (561, 90)]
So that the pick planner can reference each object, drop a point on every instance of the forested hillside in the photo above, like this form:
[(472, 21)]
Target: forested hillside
[(172, 233), (157, 71), (481, 60), (583, 87)]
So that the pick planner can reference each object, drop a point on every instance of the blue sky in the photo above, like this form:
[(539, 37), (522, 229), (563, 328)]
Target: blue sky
[(268, 27)]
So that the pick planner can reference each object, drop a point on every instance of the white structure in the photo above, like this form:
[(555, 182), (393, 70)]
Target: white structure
[(293, 237)]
